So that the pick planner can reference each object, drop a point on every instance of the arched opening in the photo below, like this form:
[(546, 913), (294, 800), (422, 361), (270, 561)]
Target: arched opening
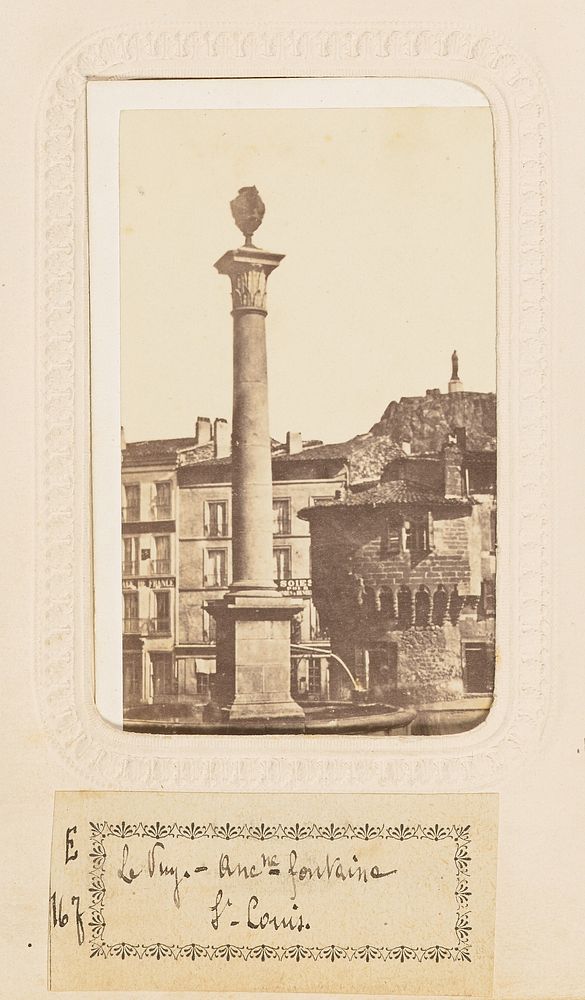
[(422, 607), (404, 608), (370, 602), (455, 604), (387, 606), (440, 604)]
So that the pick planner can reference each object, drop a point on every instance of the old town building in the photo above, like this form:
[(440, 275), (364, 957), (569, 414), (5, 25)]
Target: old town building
[(177, 556), (149, 563), (404, 580), (388, 540), (304, 474)]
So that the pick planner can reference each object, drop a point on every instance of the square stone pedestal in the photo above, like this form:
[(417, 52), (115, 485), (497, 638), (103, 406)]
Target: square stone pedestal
[(252, 681)]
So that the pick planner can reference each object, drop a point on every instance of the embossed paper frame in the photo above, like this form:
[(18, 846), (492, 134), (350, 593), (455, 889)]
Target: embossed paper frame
[(108, 757)]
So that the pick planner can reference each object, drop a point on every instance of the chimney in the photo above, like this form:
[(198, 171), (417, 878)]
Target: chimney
[(294, 442), (122, 439), (203, 430), (453, 470), (406, 447), (221, 438)]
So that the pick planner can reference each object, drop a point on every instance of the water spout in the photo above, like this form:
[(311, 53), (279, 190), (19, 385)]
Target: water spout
[(330, 656)]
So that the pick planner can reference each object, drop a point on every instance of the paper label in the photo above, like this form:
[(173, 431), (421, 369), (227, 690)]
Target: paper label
[(286, 893)]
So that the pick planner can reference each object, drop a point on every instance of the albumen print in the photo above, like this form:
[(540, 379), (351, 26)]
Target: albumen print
[(308, 410)]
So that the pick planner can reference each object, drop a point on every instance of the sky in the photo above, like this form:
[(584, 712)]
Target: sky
[(386, 218)]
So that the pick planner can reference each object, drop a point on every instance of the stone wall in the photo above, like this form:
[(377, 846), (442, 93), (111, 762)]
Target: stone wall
[(429, 664), (348, 550), (358, 588)]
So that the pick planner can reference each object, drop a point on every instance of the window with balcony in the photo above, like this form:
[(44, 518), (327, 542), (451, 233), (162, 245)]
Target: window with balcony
[(216, 518), (131, 556), (131, 508), (281, 517), (215, 568), (282, 564), (161, 564), (162, 507), (162, 612), (208, 627), (131, 619)]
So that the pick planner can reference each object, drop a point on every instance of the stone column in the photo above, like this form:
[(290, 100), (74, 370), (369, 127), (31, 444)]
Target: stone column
[(254, 619), (248, 270)]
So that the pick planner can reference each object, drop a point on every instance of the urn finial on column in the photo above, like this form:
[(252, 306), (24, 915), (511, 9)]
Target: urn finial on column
[(248, 211), (248, 267)]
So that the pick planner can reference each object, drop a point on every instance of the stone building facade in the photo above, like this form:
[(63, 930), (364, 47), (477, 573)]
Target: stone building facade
[(304, 475), (389, 539), (149, 566), (404, 578), (177, 556)]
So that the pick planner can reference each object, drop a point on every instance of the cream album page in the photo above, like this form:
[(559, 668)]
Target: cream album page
[(293, 687)]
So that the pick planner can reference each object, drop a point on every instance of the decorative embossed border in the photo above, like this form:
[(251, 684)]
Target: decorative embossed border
[(64, 616), (460, 835)]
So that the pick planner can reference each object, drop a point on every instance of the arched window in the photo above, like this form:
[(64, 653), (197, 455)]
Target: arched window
[(404, 608), (455, 604), (387, 607), (440, 604), (370, 602), (422, 607)]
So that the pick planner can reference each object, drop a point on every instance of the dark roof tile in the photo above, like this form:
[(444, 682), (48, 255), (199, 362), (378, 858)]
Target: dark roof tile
[(397, 491), (142, 452)]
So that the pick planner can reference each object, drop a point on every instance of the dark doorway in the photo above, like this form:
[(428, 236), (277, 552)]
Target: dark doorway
[(383, 666), (479, 670)]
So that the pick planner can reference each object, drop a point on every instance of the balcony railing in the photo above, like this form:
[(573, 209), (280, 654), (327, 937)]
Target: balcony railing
[(160, 567), (162, 511), (130, 568), (215, 582), (131, 513), (147, 626), (216, 530)]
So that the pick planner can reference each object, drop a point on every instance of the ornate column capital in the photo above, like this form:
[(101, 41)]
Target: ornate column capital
[(248, 269)]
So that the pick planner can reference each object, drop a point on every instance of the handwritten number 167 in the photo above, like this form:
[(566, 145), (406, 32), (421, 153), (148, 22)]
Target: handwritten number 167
[(60, 917)]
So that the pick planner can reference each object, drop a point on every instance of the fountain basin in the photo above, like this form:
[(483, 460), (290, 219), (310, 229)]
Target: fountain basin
[(361, 717), (321, 718)]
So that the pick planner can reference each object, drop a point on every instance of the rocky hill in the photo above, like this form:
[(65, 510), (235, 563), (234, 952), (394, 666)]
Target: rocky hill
[(425, 421)]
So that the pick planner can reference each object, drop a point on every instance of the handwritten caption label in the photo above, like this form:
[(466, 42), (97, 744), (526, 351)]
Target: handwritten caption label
[(295, 893)]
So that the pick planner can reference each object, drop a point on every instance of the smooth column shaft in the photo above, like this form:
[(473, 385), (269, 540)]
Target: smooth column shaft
[(251, 456)]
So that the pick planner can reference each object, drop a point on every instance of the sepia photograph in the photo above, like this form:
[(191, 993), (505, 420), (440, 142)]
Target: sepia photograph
[(295, 686), (308, 418)]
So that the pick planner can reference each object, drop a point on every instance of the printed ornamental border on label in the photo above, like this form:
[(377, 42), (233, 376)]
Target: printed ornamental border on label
[(460, 835)]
